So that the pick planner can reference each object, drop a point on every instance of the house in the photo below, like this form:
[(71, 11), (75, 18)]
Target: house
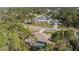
[(38, 43), (55, 23), (46, 19), (41, 19)]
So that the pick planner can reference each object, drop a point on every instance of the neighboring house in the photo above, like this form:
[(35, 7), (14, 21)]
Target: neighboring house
[(40, 44), (31, 42), (46, 19), (41, 19), (54, 22)]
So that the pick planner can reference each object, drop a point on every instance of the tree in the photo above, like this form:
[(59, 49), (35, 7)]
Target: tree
[(64, 40)]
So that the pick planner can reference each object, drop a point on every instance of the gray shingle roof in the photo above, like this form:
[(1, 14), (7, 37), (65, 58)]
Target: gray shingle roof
[(43, 18)]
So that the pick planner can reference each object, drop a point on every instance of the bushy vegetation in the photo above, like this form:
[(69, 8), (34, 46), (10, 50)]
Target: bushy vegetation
[(62, 40), (13, 34)]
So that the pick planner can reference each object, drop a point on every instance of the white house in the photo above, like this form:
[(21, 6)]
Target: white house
[(48, 20), (41, 19)]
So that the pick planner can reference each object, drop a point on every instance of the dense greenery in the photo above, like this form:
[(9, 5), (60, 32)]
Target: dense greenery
[(63, 39), (13, 34)]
